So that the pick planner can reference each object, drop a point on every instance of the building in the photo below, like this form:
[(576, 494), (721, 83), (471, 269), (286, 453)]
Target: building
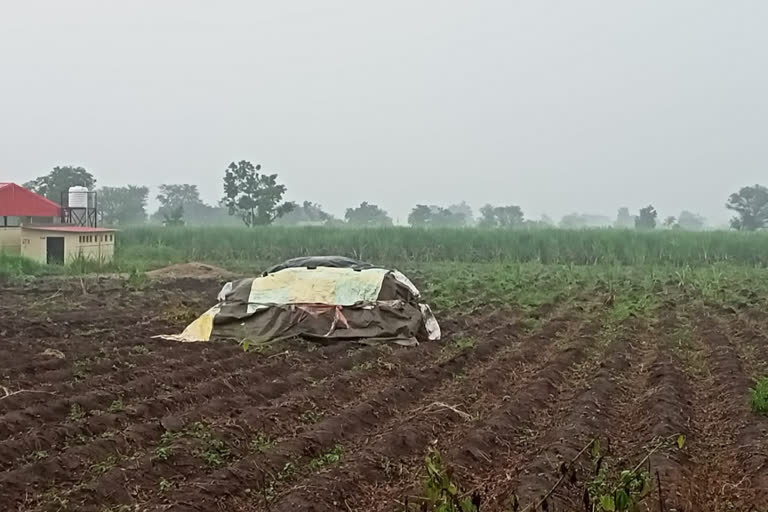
[(30, 226)]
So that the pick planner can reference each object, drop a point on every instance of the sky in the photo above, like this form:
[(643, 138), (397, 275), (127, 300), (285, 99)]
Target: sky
[(556, 106)]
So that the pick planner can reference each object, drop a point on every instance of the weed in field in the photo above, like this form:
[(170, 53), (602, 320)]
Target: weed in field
[(440, 493), (310, 416), (760, 396), (137, 280), (139, 349), (80, 369), (162, 453), (214, 452), (164, 450), (102, 467), (37, 455), (459, 345), (260, 443), (327, 458), (288, 471), (76, 413), (164, 485), (116, 406)]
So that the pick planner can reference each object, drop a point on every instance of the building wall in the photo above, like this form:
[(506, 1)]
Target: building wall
[(94, 246), (10, 240), (33, 245)]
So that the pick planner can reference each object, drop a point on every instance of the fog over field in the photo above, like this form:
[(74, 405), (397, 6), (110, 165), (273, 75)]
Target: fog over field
[(557, 107)]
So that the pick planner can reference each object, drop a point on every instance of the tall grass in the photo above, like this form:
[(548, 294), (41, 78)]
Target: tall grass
[(157, 245)]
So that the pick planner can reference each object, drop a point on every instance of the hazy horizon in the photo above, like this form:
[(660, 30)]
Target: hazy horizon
[(575, 107)]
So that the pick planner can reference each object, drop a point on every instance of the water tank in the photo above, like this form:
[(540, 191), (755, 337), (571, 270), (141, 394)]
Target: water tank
[(78, 197)]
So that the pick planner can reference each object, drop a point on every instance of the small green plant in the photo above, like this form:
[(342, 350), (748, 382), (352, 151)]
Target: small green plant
[(310, 416), (760, 396), (137, 280), (288, 471), (139, 349), (116, 406), (260, 443), (164, 450), (440, 493), (214, 452), (80, 369), (102, 467), (463, 344), (76, 412), (327, 458), (39, 455), (162, 453), (164, 485)]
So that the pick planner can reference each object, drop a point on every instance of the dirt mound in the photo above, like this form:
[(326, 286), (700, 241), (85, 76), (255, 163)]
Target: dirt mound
[(191, 270)]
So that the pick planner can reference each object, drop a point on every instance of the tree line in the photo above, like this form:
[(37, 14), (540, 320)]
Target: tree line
[(254, 198)]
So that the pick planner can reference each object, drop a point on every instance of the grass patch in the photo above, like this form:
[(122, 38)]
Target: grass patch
[(76, 412), (116, 406), (327, 458), (260, 443), (760, 396)]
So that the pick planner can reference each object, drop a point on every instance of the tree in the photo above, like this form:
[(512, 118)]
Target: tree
[(173, 196), (121, 206), (255, 198), (647, 218), (624, 219), (435, 216), (367, 215), (465, 210), (690, 221), (174, 216), (500, 216), (59, 180), (751, 206), (670, 222), (306, 213), (185, 198), (420, 216)]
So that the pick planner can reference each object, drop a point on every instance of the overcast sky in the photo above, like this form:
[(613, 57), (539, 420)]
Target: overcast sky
[(559, 107)]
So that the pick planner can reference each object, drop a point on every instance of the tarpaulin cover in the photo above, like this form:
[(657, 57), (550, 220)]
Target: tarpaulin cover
[(370, 304)]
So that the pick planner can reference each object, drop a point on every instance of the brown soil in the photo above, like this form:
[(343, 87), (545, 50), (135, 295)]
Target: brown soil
[(101, 416), (192, 270)]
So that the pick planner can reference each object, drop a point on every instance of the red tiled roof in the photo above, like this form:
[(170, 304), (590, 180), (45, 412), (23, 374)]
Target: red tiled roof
[(16, 201), (69, 229)]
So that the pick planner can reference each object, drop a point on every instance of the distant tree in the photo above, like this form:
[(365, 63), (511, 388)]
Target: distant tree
[(122, 206), (173, 196), (255, 198), (647, 218), (59, 180), (305, 213), (624, 219), (420, 216), (174, 216), (465, 211), (690, 221), (436, 216), (500, 216), (546, 220), (670, 222), (751, 207), (367, 215)]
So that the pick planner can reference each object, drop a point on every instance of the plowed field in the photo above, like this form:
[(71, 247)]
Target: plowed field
[(96, 415)]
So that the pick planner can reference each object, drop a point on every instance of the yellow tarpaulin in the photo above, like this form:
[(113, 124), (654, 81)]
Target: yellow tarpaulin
[(322, 285)]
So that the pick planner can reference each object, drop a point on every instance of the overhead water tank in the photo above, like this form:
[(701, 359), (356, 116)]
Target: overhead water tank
[(78, 197)]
